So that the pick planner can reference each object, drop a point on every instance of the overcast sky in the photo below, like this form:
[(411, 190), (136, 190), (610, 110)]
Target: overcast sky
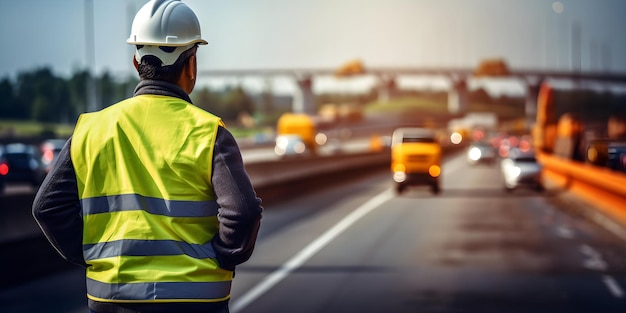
[(283, 34)]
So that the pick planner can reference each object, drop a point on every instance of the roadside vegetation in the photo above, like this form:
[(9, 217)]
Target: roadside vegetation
[(40, 103)]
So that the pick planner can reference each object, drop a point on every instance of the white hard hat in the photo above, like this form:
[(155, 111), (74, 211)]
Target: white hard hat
[(165, 23)]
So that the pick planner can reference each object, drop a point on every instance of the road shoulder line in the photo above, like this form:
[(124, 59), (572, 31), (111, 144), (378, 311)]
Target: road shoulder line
[(311, 249)]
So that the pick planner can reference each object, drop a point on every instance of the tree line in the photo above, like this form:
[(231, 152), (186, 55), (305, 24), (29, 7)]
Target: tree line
[(41, 96)]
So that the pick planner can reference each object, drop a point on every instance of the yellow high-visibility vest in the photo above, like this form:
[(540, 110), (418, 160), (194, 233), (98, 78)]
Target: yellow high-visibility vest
[(143, 168)]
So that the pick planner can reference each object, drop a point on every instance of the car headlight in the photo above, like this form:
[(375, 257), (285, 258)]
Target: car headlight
[(279, 150), (474, 154), (456, 138), (399, 167), (514, 171), (321, 139), (299, 147), (399, 177)]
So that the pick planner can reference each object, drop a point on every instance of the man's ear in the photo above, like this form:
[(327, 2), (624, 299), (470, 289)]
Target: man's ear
[(190, 69), (135, 63)]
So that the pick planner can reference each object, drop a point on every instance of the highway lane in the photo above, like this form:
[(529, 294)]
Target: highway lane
[(474, 248), (358, 247)]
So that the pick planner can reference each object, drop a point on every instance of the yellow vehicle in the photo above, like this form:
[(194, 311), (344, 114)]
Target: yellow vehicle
[(303, 126), (415, 158)]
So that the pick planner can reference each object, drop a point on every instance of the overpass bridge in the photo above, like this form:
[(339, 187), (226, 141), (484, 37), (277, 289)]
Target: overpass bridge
[(304, 99)]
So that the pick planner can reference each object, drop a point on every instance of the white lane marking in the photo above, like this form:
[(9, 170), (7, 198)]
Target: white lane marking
[(452, 167), (613, 286), (565, 232), (594, 260), (305, 254)]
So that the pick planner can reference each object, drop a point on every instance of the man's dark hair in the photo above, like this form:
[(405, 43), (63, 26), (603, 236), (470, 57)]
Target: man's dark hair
[(150, 66)]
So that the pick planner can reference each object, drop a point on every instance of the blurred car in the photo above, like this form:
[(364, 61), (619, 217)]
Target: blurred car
[(617, 156), (609, 153), (521, 169), (291, 146), (481, 152), (20, 163), (415, 158), (50, 151)]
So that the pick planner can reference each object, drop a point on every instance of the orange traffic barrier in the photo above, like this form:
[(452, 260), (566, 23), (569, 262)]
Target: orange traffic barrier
[(603, 187)]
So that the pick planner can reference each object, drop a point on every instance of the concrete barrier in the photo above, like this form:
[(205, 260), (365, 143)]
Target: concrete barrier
[(272, 180), (277, 180)]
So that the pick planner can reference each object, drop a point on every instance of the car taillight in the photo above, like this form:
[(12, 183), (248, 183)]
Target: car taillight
[(48, 155), (4, 169)]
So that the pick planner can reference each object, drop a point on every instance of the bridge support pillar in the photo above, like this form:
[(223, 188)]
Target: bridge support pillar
[(304, 99), (458, 96), (387, 88), (530, 107)]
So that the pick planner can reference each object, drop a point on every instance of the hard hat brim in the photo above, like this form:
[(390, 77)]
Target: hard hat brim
[(165, 44)]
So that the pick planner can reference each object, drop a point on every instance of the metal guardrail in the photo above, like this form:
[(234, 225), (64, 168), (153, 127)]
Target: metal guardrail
[(603, 187)]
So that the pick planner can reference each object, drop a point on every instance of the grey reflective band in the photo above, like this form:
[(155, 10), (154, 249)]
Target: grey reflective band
[(131, 202), (159, 291), (128, 247)]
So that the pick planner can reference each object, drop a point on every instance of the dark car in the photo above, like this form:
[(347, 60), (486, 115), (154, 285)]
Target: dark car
[(617, 156), (609, 153), (50, 151), (20, 163)]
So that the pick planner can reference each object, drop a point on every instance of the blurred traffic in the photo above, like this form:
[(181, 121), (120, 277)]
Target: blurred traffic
[(479, 152), (20, 164)]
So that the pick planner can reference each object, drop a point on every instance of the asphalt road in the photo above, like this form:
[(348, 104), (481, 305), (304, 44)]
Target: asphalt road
[(358, 247)]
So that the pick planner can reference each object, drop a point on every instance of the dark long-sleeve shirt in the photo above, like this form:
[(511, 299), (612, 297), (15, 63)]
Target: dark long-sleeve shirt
[(57, 210)]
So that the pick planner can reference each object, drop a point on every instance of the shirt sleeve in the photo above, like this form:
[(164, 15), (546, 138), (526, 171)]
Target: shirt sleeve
[(56, 209), (240, 209)]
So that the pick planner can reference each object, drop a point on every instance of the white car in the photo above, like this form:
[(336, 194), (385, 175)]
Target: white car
[(481, 152), (290, 146), (521, 169)]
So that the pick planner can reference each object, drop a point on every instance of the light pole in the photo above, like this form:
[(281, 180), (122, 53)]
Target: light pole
[(558, 8), (576, 53), (90, 56)]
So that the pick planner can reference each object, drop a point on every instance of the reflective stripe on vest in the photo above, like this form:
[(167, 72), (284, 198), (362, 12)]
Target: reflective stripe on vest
[(159, 292), (147, 232)]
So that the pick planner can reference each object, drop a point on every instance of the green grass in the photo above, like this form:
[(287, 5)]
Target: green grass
[(33, 129), (407, 105), (30, 129), (425, 105)]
